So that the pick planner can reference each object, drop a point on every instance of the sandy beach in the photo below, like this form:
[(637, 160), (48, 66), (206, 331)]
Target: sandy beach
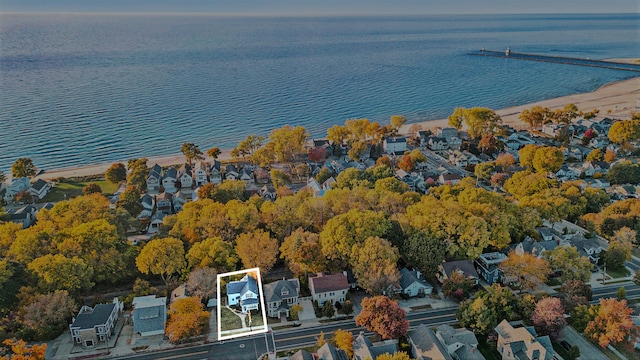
[(616, 100)]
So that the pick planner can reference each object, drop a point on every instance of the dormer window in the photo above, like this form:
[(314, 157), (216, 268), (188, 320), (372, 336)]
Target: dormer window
[(285, 292)]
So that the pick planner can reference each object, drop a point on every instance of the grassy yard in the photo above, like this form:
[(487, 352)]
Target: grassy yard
[(488, 348), (618, 273), (74, 188), (229, 320), (256, 319)]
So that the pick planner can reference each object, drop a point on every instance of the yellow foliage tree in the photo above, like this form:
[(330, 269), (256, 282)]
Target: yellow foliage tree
[(187, 318), (527, 270), (257, 249), (344, 340)]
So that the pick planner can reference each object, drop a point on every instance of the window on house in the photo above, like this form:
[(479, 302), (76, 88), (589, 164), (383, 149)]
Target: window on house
[(285, 292)]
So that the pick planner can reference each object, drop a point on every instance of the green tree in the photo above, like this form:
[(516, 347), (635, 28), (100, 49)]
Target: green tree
[(483, 313), (328, 310), (214, 152), (621, 294), (548, 159), (91, 188), (163, 257), (374, 263), (383, 316), (130, 201), (191, 152), (229, 190), (525, 183), (624, 173), (424, 251), (619, 249), (568, 261), (138, 172), (116, 173), (479, 121), (257, 249), (582, 315), (23, 167), (249, 145), (279, 178), (57, 272)]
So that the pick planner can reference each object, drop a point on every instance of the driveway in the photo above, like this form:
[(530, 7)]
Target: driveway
[(588, 351)]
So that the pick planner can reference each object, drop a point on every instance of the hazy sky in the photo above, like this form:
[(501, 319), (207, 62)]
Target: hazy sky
[(347, 7)]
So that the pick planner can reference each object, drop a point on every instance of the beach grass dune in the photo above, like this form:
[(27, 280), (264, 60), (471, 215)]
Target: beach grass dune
[(615, 100)]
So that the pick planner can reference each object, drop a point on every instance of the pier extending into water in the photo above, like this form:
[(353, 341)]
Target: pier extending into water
[(558, 60)]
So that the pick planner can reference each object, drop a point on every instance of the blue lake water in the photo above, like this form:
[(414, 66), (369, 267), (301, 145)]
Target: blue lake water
[(86, 89)]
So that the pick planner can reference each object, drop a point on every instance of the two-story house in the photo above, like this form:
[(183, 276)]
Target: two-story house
[(164, 203), (464, 267), (215, 173), (332, 287), (169, 180), (243, 293), (40, 188), (185, 176), (395, 145), (16, 186), (94, 325), (522, 343), (488, 266), (154, 178), (200, 173), (413, 283), (279, 296)]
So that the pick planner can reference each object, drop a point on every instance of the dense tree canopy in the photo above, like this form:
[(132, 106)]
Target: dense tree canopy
[(612, 323), (624, 131), (213, 253), (187, 318), (487, 309), (383, 316), (116, 173), (163, 257), (344, 231), (478, 120), (526, 270), (23, 167), (548, 317), (536, 116), (374, 263), (257, 249)]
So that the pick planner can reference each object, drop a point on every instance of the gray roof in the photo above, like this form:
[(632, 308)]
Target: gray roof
[(466, 266), (426, 344), (155, 171), (302, 355), (241, 287), (88, 318), (171, 173), (396, 140), (330, 352), (273, 291), (148, 319), (408, 277), (462, 341), (39, 184)]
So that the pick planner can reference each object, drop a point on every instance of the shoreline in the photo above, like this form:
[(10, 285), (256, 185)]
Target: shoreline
[(617, 100)]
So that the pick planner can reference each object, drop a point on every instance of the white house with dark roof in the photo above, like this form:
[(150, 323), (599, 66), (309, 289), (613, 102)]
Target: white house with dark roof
[(178, 201), (154, 179), (332, 287), (215, 173), (169, 180), (149, 315), (25, 215), (280, 295), (413, 283), (395, 145), (185, 176), (231, 172), (200, 171), (244, 293), (16, 186), (590, 248), (94, 325), (148, 203), (40, 189)]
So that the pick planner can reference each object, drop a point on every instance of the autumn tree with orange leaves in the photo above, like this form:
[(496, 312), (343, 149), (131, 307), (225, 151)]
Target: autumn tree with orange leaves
[(187, 318), (17, 349), (612, 323), (383, 316)]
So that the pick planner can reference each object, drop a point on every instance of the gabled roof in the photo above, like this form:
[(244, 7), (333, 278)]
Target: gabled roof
[(426, 344), (149, 313), (302, 355), (201, 165), (155, 171), (165, 196), (400, 139), (38, 185), (332, 282), (171, 173), (273, 291), (330, 352), (215, 166), (88, 318), (408, 277), (466, 266), (247, 283), (462, 342), (231, 168), (147, 200)]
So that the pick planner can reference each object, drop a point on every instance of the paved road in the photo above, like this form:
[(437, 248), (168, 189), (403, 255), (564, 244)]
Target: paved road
[(249, 347)]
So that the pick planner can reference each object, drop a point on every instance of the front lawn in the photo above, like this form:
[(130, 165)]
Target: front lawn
[(618, 273), (229, 320), (70, 189)]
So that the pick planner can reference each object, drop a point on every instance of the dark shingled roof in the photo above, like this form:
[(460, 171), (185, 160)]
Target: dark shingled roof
[(330, 352), (466, 266), (427, 344), (97, 316)]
